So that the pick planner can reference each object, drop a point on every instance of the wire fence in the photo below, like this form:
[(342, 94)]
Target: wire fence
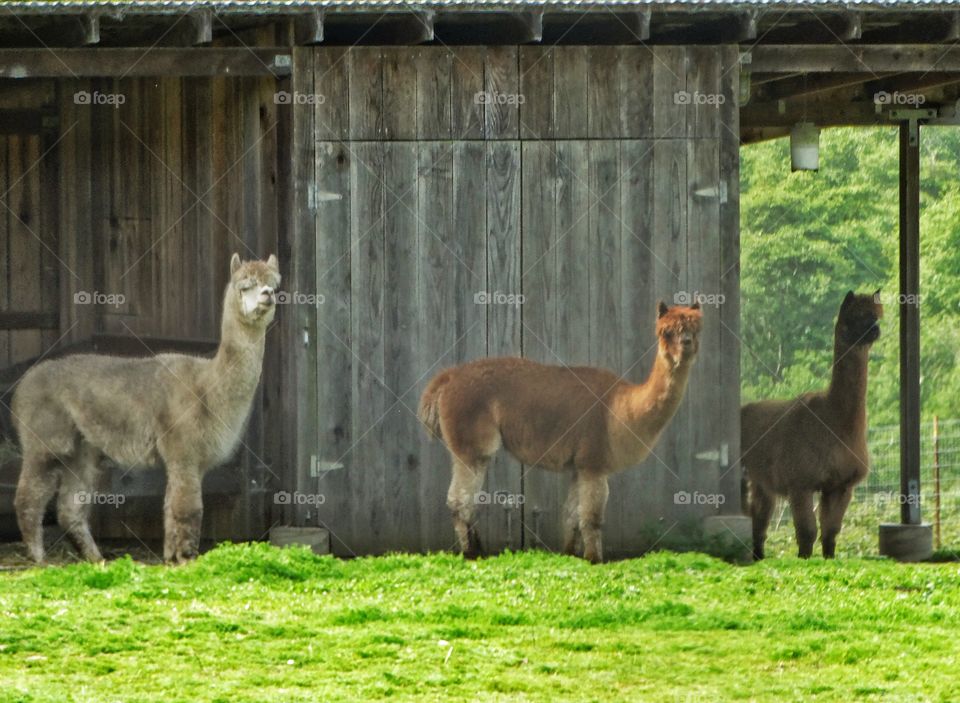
[(878, 498)]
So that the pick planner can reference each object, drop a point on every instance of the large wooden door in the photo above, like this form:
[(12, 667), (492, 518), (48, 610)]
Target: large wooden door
[(534, 201)]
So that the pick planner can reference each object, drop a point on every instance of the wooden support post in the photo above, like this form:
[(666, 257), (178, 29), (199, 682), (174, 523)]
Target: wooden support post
[(909, 324)]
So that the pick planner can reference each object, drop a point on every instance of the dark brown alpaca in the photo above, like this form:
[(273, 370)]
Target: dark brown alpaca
[(816, 443), (588, 421)]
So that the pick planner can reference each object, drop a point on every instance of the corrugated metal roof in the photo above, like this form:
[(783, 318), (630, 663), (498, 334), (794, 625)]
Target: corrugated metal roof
[(284, 6)]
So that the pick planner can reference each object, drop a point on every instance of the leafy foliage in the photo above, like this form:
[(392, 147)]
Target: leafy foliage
[(808, 238)]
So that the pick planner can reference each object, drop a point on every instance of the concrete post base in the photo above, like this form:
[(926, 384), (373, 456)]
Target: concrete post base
[(317, 538), (906, 542), (729, 536)]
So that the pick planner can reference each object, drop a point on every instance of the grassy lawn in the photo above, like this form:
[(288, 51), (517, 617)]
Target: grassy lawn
[(253, 623)]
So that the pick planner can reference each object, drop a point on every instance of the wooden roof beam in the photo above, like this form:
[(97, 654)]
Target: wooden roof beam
[(806, 85), (134, 62), (885, 91), (868, 59)]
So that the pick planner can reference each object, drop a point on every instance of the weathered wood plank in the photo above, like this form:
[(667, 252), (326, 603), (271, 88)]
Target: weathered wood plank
[(134, 62), (77, 321), (501, 82), (302, 338), (334, 341), (703, 87), (367, 311), (400, 111), (467, 113), (537, 89), (539, 198), (636, 90), (603, 94), (366, 92), (703, 278), (4, 253), (25, 243), (501, 528), (630, 507), (436, 288), (669, 252), (401, 430), (669, 85), (729, 312), (331, 93), (433, 92), (570, 79)]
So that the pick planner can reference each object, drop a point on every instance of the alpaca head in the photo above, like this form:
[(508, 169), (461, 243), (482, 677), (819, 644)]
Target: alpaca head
[(858, 323), (678, 331), (253, 289)]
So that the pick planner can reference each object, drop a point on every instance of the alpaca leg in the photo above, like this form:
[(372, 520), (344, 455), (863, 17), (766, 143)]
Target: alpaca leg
[(804, 522), (182, 515), (74, 504), (833, 506), (38, 482), (571, 519), (761, 509), (462, 501), (592, 493)]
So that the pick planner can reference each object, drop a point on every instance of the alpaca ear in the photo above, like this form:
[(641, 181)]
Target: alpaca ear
[(272, 263), (695, 306), (661, 309), (847, 300), (234, 263)]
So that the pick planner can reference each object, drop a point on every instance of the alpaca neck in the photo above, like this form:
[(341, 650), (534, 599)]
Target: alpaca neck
[(848, 385), (653, 403), (235, 370)]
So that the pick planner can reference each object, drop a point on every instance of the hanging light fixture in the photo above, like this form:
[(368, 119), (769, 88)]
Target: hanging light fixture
[(805, 147)]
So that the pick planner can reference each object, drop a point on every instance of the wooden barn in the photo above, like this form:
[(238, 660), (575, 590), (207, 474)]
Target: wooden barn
[(441, 181)]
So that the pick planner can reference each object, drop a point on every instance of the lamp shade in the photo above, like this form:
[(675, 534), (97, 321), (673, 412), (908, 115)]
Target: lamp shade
[(805, 147)]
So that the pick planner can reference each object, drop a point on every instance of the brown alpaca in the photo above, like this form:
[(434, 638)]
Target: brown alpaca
[(183, 412), (814, 443), (588, 421)]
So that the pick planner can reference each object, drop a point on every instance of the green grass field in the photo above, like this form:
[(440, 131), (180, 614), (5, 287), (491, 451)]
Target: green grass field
[(253, 623)]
